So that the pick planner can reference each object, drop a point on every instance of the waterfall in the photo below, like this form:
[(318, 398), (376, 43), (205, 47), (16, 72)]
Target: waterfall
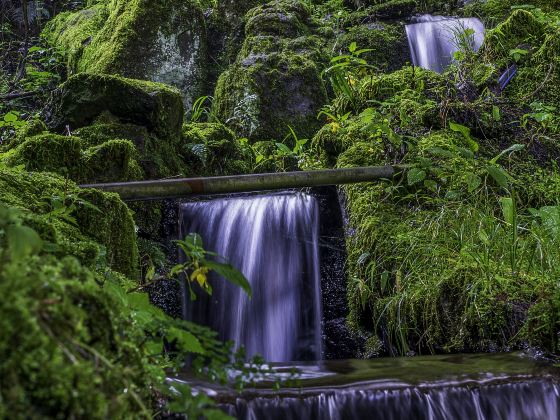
[(513, 401), (273, 241), (432, 39)]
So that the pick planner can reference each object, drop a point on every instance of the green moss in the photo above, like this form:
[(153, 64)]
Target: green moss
[(158, 158), (114, 160), (80, 227), (388, 43), (493, 11), (286, 19), (275, 81), (72, 32), (84, 97), (539, 80), (212, 149), (522, 28), (163, 42), (423, 87), (70, 337)]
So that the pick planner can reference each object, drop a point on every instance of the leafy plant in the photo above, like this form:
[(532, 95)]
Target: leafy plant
[(199, 110), (283, 154), (346, 71), (544, 115), (198, 264)]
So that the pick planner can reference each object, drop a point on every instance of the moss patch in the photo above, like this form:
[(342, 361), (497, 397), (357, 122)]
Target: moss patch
[(163, 42), (80, 227)]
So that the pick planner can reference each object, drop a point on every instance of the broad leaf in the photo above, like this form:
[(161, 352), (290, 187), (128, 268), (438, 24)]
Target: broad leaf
[(231, 274), (415, 175)]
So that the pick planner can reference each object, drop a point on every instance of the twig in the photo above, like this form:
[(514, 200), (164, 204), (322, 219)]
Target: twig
[(18, 95)]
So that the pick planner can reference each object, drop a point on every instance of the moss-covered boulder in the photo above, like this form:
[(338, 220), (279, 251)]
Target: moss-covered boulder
[(163, 42), (494, 11), (275, 82), (76, 222), (158, 158), (212, 149), (113, 160), (84, 97)]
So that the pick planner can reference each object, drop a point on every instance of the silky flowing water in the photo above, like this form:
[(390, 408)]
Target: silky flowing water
[(502, 386), (273, 241), (432, 39)]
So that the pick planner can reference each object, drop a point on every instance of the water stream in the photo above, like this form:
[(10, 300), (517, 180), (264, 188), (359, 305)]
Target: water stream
[(482, 387), (433, 39), (273, 241)]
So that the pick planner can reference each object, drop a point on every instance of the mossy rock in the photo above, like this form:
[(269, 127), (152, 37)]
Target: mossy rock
[(226, 33), (416, 90), (275, 82), (157, 158), (494, 11), (111, 161), (286, 19), (212, 149), (64, 324), (84, 97), (91, 219), (163, 42), (521, 30), (369, 11), (388, 43), (538, 78)]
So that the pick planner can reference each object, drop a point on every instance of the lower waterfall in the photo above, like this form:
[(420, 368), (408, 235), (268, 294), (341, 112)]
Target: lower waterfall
[(273, 241)]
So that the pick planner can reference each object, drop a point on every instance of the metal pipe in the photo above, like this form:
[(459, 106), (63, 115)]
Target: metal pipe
[(184, 187)]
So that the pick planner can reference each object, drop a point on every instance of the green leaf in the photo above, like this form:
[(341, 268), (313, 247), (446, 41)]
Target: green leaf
[(11, 117), (231, 274), (508, 209), (283, 148), (512, 149), (430, 185), (465, 153), (22, 241), (415, 175), (353, 46), (154, 347), (550, 217), (185, 340), (466, 132), (496, 115), (438, 151), (499, 175), (473, 181)]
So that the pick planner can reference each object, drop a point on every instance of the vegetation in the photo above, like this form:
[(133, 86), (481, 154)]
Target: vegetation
[(459, 253)]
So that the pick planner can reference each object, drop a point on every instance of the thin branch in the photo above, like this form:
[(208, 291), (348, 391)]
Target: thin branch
[(18, 95)]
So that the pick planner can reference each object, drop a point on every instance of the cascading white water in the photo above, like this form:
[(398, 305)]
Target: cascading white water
[(432, 39), (273, 241)]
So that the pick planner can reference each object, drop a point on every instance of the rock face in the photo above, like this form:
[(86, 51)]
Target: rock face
[(162, 41), (275, 82)]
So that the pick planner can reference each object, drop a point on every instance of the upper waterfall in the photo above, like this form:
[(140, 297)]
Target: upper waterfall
[(273, 241), (433, 39)]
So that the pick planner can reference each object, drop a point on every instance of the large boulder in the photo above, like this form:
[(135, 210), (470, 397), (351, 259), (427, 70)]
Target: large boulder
[(275, 82), (162, 41), (85, 97)]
